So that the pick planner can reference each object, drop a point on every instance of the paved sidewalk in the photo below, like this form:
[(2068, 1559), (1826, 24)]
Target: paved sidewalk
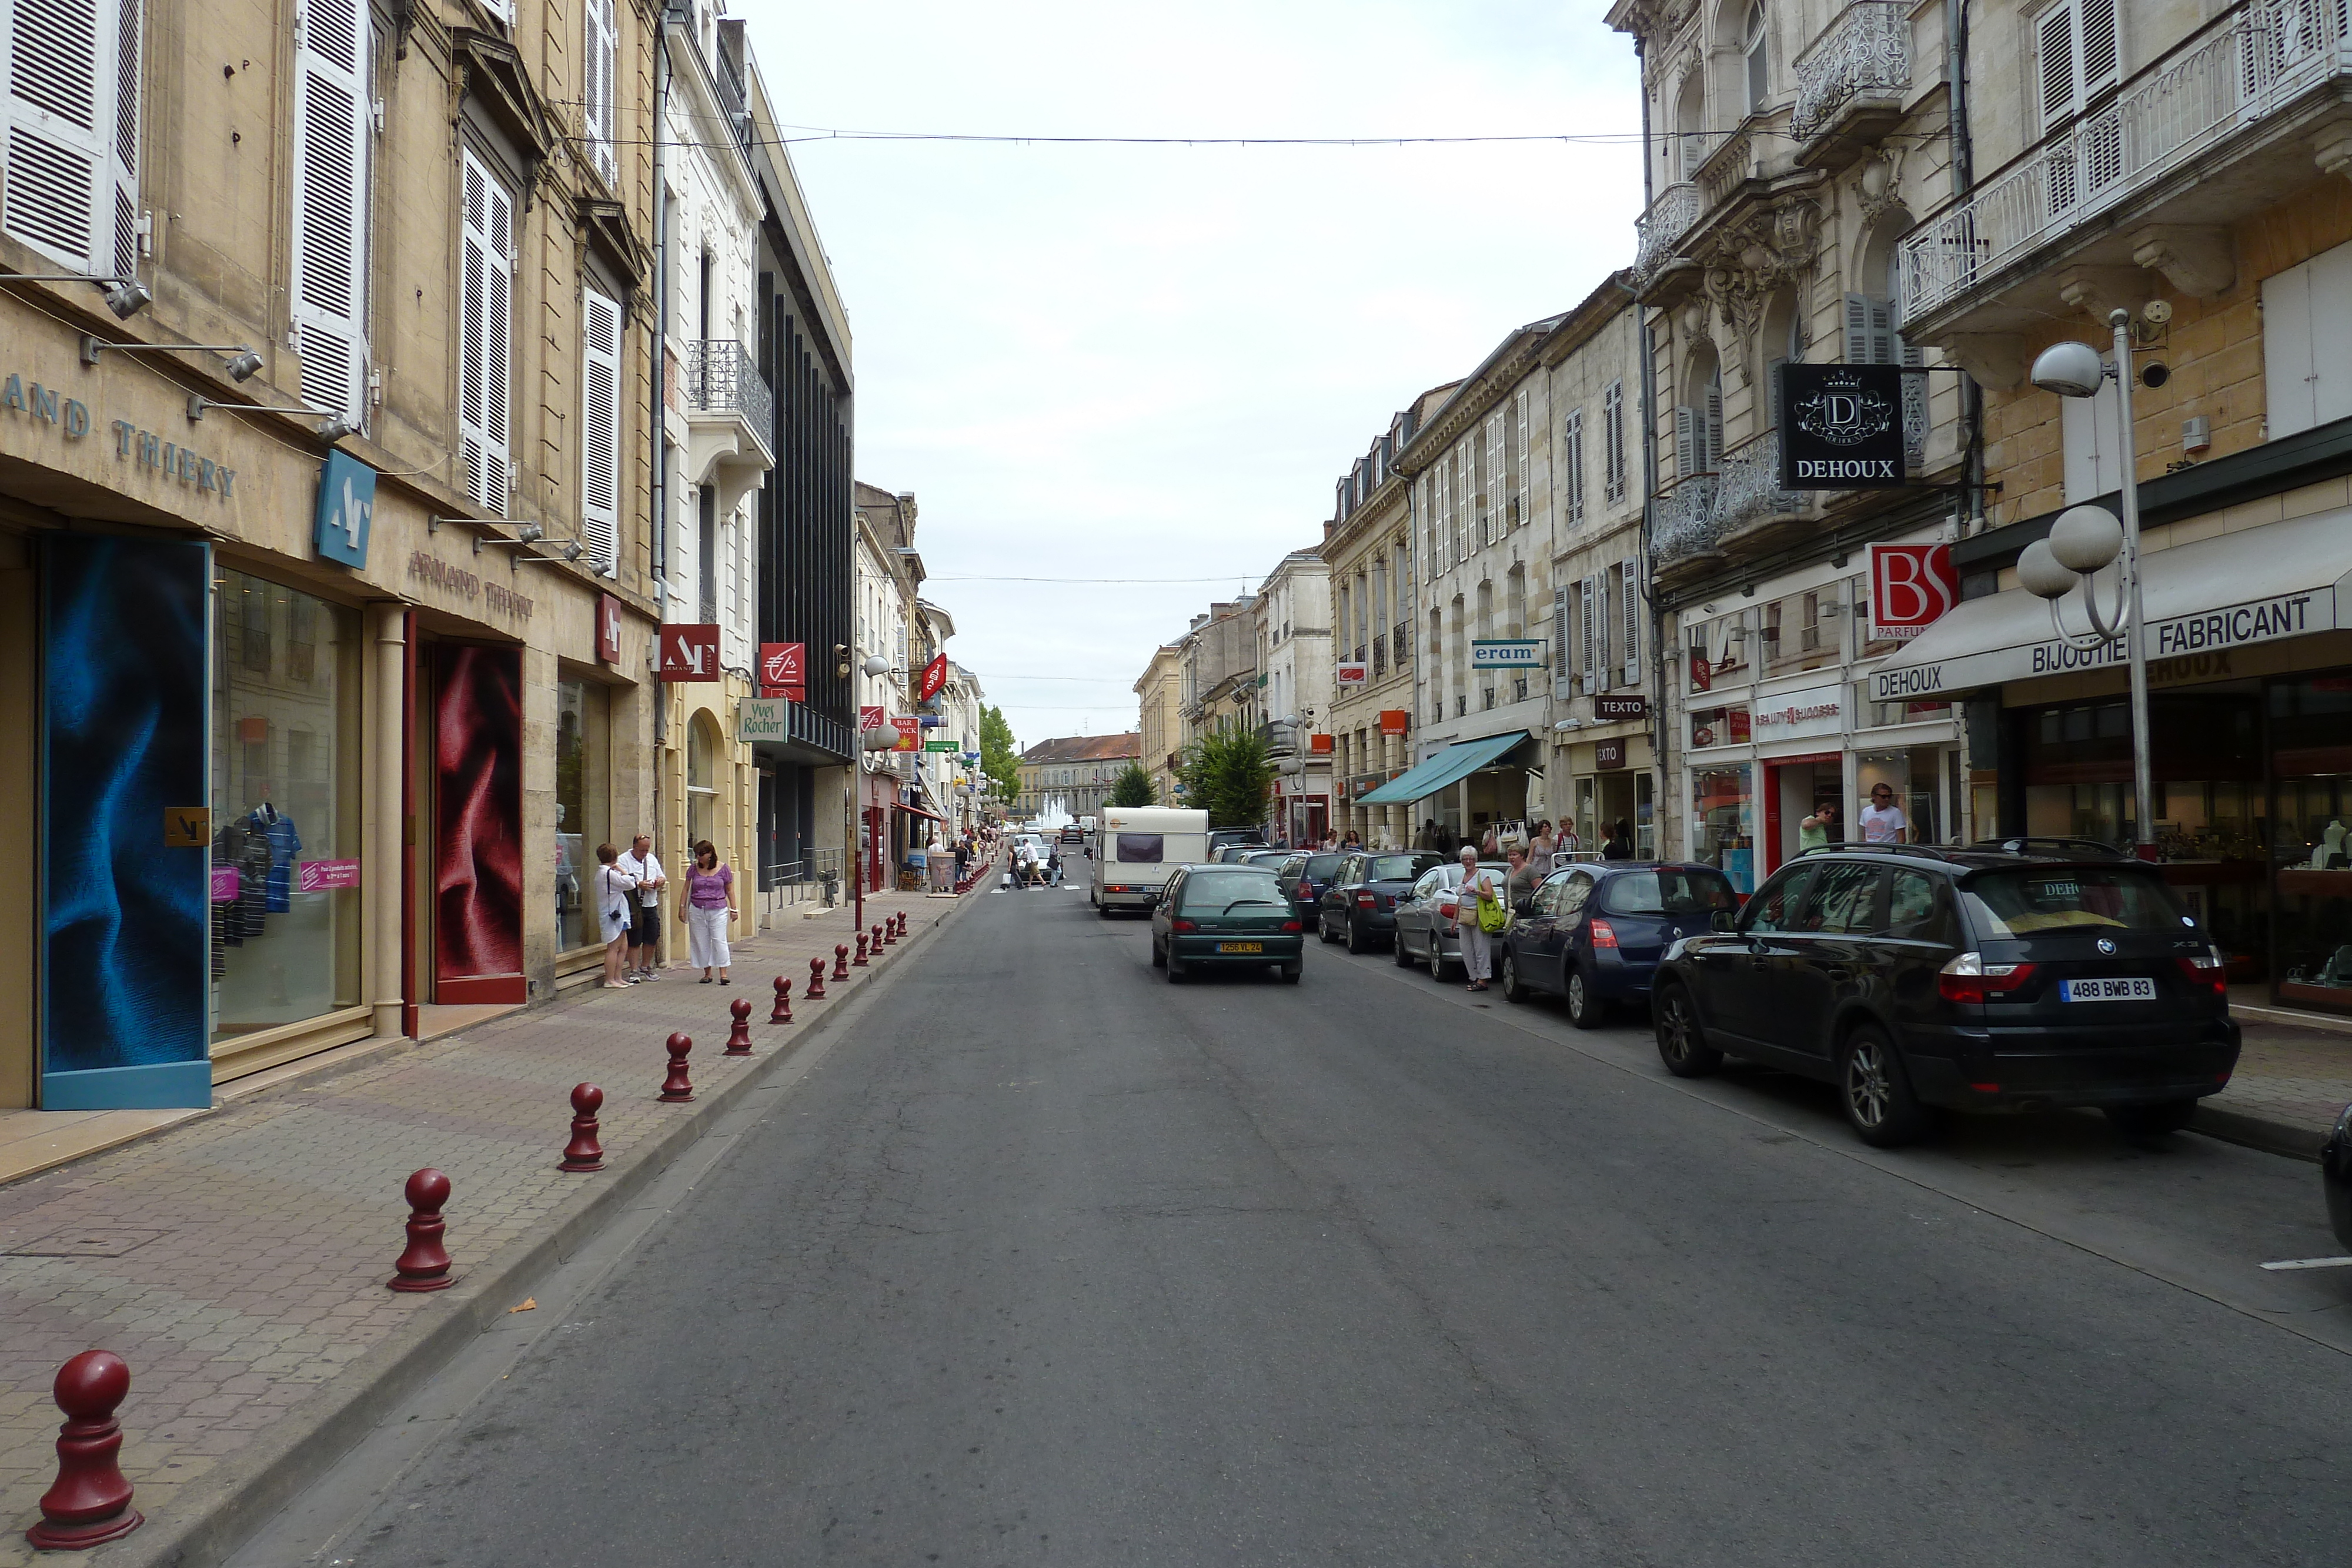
[(237, 1261), (2290, 1086)]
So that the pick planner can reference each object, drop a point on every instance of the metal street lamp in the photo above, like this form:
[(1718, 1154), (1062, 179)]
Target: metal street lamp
[(2086, 540)]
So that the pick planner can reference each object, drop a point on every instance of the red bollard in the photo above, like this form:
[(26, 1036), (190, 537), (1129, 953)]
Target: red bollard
[(584, 1153), (840, 961), (875, 946), (677, 1088), (89, 1502), (890, 930), (739, 1038), (902, 923), (815, 991), (425, 1266), (782, 1011), (860, 959)]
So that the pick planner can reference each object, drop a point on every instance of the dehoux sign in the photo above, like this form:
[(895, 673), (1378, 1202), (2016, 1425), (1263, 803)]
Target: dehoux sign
[(1841, 427)]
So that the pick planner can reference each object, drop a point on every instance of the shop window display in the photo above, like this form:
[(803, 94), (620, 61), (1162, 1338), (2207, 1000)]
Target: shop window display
[(1723, 824), (2311, 757), (285, 856), (582, 797)]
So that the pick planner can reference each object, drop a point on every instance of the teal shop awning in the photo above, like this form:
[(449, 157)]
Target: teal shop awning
[(1451, 766)]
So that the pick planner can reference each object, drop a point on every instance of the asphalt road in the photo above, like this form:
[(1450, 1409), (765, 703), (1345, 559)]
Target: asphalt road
[(1051, 1262)]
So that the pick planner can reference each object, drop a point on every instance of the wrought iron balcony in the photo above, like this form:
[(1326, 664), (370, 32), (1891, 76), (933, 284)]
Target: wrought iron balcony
[(1401, 640), (2201, 111), (720, 378), (1682, 521), (1748, 491), (1658, 231), (1865, 55), (1281, 736)]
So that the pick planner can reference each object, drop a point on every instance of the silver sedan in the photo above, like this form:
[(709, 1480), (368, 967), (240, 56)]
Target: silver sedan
[(1424, 918)]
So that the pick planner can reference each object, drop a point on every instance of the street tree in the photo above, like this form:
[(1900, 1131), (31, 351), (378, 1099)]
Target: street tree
[(1133, 787), (1227, 774), (1000, 755)]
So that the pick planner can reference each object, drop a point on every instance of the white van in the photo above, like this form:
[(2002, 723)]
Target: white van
[(1135, 850)]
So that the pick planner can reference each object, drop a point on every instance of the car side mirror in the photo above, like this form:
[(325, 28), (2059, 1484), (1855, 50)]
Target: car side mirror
[(1721, 919), (1525, 908)]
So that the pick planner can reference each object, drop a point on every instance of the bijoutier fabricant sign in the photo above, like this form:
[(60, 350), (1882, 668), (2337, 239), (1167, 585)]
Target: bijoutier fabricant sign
[(1521, 655), (2205, 631)]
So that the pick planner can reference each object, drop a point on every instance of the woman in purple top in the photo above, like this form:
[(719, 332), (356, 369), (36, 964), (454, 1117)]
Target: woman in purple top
[(709, 909)]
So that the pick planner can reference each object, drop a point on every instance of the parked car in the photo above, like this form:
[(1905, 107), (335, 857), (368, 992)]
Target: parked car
[(1234, 854), (1271, 859), (1594, 934), (1360, 906), (1220, 837), (1220, 917), (2335, 1176), (1919, 981), (1305, 874), (1424, 918)]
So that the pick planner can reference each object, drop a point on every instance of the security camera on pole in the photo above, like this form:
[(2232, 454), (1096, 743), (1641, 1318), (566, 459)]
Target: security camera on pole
[(2086, 540)]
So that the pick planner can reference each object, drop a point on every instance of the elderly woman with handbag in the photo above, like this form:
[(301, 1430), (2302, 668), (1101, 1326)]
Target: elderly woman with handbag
[(1479, 916)]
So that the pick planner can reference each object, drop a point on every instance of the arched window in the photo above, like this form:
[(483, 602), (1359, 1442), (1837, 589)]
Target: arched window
[(1690, 128), (1781, 340), (1753, 48), (1698, 417), (702, 814)]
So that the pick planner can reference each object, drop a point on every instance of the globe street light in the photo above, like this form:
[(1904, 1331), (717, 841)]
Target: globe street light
[(2086, 540)]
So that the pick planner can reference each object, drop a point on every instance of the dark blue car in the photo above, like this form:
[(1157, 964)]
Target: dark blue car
[(1594, 932)]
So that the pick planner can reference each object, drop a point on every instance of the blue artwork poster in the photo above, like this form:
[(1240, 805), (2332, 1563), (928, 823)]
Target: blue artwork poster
[(126, 839)]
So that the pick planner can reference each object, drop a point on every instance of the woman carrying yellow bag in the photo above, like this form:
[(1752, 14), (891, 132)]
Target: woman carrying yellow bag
[(1478, 916)]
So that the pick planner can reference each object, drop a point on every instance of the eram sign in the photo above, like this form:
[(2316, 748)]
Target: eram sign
[(1911, 587), (1841, 427), (690, 652)]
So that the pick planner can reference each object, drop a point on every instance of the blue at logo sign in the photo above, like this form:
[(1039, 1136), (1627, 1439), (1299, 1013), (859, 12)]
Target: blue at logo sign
[(346, 510)]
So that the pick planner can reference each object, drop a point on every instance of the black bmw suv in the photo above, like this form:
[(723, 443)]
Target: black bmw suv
[(2015, 976)]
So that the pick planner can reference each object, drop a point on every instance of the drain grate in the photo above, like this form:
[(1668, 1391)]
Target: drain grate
[(82, 1244)]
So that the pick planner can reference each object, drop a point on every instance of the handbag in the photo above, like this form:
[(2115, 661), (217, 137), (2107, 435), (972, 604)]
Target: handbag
[(1493, 918)]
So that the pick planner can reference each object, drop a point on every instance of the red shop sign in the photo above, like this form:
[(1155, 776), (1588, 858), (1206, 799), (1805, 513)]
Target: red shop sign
[(690, 652), (1911, 586), (783, 671), (608, 629)]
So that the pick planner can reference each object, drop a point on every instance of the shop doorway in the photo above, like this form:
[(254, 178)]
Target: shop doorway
[(476, 780), (1799, 789), (1610, 807)]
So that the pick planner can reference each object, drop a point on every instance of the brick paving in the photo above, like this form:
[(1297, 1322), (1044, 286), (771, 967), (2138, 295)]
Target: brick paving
[(237, 1261), (2301, 1078)]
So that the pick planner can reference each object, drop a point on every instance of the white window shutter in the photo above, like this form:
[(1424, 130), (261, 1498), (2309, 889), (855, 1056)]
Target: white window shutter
[(2102, 60), (1686, 440), (331, 122), (1712, 457), (600, 480), (2055, 30), (1560, 662), (1568, 474), (1523, 487), (1603, 675), (1857, 330), (2290, 372), (1588, 623), (1772, 388), (1629, 602), (1613, 436), (63, 139), (604, 45), (485, 335), (124, 170)]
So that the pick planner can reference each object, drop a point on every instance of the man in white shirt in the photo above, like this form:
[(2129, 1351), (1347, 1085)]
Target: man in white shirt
[(1883, 821), (646, 932)]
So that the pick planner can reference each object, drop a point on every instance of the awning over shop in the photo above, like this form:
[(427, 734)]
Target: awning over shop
[(1451, 766), (2280, 579), (919, 811)]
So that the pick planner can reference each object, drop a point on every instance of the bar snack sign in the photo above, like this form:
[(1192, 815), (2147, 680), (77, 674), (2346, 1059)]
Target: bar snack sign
[(1841, 427)]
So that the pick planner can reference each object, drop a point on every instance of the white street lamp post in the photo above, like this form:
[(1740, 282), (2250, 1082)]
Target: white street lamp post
[(2086, 540)]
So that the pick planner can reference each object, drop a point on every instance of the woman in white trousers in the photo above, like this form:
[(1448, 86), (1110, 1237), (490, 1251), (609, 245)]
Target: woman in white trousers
[(1477, 947), (710, 913)]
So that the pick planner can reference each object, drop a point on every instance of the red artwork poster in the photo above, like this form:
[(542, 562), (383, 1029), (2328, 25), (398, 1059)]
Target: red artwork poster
[(477, 818)]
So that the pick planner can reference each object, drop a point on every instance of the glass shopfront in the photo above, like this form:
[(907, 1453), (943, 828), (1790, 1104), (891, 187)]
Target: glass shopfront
[(1723, 824), (583, 793), (2311, 792), (285, 900)]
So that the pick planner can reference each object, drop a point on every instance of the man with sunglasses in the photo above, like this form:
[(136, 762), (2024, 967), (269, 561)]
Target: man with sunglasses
[(1883, 821)]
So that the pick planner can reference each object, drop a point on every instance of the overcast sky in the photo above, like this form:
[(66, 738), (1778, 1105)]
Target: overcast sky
[(1105, 361)]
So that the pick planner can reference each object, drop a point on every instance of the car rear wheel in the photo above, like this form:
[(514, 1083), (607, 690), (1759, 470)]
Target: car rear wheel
[(2152, 1121), (1682, 1044), (1290, 972), (1403, 953), (1323, 927), (1158, 955), (1177, 973), (1585, 1011), (1515, 989), (1355, 937), (1875, 1091)]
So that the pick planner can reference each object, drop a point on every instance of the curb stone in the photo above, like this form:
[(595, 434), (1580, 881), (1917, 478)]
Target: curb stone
[(216, 1513)]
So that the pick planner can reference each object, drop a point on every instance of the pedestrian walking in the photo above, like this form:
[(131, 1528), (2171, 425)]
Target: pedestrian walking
[(1620, 844), (645, 935), (709, 911), (1481, 892), (616, 891)]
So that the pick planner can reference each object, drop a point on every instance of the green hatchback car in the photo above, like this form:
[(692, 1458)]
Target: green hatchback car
[(1222, 916)]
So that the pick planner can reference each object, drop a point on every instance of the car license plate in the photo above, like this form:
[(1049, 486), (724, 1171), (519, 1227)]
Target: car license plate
[(1241, 946), (2131, 990)]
